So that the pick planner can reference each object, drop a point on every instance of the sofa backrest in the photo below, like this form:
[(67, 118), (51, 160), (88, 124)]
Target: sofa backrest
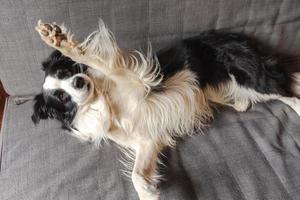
[(135, 22)]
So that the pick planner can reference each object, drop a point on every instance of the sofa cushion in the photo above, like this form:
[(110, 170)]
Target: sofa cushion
[(252, 155), (136, 22)]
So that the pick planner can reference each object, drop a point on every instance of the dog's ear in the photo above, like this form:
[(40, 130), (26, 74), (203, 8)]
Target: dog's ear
[(54, 56), (40, 110), (67, 118)]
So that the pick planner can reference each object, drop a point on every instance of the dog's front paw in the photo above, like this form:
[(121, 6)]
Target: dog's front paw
[(52, 34)]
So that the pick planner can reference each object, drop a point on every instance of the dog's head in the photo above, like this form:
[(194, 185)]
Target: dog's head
[(66, 86)]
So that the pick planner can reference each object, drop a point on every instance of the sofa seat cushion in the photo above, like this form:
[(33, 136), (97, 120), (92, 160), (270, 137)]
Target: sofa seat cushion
[(252, 155)]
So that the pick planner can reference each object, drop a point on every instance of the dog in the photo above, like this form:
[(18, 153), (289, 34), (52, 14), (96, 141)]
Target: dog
[(143, 102)]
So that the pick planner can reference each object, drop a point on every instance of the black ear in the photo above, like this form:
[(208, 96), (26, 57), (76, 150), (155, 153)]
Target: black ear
[(54, 56), (40, 110), (67, 117)]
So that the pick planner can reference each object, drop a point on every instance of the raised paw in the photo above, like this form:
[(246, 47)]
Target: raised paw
[(53, 34)]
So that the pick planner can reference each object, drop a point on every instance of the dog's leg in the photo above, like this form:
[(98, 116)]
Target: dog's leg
[(144, 175), (255, 97), (144, 171), (58, 38)]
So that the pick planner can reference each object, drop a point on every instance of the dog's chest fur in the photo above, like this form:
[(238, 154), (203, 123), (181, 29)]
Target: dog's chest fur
[(93, 121)]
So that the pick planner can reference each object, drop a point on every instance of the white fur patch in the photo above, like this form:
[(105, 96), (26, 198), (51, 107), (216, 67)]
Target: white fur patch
[(92, 121), (78, 95), (240, 98), (51, 83)]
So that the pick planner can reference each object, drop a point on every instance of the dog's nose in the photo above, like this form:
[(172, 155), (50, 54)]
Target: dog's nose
[(79, 82)]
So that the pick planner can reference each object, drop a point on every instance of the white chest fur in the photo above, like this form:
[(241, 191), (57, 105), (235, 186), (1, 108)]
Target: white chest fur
[(93, 121)]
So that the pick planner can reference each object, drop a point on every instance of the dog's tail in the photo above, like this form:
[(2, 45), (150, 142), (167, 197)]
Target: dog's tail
[(295, 83)]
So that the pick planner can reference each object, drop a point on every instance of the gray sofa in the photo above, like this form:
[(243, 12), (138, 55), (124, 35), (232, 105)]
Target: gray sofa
[(242, 156)]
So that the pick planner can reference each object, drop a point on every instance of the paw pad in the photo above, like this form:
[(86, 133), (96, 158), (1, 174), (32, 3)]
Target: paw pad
[(57, 29), (48, 27), (51, 33)]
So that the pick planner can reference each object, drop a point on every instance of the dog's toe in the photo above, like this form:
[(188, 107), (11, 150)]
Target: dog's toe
[(51, 33), (48, 27), (57, 29), (44, 33)]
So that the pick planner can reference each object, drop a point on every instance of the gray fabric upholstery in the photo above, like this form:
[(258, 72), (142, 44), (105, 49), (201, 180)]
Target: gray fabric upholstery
[(135, 22), (242, 156)]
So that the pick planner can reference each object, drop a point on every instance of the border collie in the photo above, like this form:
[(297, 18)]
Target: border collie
[(143, 102)]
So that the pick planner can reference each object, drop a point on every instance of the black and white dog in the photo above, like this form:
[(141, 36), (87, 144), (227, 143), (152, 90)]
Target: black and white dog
[(142, 102)]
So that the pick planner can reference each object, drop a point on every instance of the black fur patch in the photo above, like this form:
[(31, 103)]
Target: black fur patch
[(51, 108), (61, 67), (214, 56)]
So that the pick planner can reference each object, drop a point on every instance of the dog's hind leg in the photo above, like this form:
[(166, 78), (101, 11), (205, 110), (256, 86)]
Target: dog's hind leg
[(241, 98)]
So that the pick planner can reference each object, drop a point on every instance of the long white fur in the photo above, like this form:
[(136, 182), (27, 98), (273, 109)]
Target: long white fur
[(173, 113), (102, 45)]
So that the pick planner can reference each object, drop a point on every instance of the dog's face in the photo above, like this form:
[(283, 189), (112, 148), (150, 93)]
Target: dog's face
[(66, 86)]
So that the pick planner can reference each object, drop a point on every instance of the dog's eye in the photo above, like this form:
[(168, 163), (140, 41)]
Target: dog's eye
[(68, 74), (62, 74)]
